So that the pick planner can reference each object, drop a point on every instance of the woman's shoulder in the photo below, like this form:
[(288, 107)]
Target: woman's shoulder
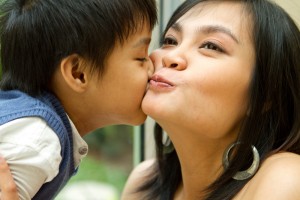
[(283, 166), (138, 176), (277, 178)]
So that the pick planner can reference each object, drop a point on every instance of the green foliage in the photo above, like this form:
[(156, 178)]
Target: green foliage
[(0, 71), (110, 157), (96, 170), (0, 66), (112, 141)]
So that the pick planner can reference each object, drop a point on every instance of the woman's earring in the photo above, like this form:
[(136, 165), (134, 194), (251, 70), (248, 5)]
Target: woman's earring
[(168, 146), (242, 175)]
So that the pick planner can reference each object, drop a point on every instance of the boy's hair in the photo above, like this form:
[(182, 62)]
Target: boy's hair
[(37, 34)]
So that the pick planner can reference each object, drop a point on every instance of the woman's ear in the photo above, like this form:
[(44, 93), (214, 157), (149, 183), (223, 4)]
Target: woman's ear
[(74, 73)]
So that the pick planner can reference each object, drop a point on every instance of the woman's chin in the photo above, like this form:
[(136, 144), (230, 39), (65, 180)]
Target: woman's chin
[(147, 106)]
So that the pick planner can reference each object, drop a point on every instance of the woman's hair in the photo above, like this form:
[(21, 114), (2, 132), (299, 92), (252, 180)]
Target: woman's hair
[(273, 122), (37, 34)]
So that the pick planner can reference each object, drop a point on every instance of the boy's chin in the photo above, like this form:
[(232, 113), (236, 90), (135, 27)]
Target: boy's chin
[(139, 119)]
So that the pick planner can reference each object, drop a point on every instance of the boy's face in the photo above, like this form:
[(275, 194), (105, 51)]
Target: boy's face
[(117, 96)]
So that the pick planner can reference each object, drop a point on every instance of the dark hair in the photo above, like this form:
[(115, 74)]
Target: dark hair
[(273, 123), (37, 34)]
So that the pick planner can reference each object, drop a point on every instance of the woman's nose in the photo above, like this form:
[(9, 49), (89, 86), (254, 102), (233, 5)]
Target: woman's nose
[(171, 59), (174, 60)]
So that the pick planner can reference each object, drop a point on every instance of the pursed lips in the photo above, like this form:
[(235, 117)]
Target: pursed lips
[(159, 81)]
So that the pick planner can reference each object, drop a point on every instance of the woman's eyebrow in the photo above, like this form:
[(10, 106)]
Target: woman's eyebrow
[(177, 27), (209, 29)]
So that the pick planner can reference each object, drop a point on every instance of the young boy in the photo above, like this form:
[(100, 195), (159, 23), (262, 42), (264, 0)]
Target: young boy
[(68, 68)]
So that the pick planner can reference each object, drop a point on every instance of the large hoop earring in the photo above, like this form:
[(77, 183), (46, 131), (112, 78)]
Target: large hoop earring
[(242, 175)]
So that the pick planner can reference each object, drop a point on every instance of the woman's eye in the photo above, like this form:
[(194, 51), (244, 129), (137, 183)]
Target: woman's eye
[(169, 41), (211, 46)]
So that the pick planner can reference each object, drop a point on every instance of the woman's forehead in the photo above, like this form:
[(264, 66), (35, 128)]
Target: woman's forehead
[(230, 14), (227, 8)]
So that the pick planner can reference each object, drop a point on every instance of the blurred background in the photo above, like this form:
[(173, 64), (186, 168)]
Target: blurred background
[(103, 172)]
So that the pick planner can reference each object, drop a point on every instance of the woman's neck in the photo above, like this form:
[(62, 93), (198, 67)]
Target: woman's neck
[(200, 159)]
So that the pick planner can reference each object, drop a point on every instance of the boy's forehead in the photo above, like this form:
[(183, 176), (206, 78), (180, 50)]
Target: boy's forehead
[(142, 42), (136, 38), (140, 38)]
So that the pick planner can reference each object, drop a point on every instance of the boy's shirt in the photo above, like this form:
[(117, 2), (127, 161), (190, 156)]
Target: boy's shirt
[(32, 150)]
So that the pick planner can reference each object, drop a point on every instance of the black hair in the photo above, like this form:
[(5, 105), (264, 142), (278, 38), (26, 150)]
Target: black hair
[(273, 122), (37, 34)]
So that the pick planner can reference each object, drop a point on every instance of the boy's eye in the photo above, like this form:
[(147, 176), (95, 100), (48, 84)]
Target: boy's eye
[(211, 46), (142, 59), (169, 41)]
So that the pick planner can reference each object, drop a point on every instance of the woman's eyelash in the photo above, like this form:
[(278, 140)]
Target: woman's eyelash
[(211, 46), (169, 41), (206, 45)]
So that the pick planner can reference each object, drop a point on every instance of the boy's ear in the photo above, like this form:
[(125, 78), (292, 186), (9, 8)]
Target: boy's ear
[(73, 73)]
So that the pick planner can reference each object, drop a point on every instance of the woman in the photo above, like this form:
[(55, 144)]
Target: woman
[(226, 92)]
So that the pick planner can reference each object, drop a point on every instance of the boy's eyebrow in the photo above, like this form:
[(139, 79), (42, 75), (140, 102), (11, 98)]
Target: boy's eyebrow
[(142, 42), (208, 29)]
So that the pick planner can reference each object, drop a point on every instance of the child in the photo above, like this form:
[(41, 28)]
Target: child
[(66, 65)]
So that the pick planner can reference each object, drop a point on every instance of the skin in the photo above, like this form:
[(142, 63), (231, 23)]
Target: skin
[(199, 94), (115, 97), (7, 185), (278, 178)]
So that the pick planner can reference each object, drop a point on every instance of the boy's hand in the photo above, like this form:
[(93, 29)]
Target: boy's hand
[(7, 184)]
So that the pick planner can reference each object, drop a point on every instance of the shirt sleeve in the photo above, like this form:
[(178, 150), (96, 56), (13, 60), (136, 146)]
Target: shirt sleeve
[(32, 151)]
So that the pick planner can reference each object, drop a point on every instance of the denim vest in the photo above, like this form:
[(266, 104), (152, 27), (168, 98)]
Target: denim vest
[(16, 104)]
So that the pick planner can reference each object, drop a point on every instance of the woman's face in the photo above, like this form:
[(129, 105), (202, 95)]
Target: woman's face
[(203, 71)]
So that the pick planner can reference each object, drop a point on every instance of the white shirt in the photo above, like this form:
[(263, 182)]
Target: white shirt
[(32, 151)]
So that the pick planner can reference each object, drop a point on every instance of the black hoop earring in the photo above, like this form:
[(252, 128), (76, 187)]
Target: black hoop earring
[(242, 175)]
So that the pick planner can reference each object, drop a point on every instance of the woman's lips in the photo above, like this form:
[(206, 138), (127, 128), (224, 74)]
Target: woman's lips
[(159, 82)]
